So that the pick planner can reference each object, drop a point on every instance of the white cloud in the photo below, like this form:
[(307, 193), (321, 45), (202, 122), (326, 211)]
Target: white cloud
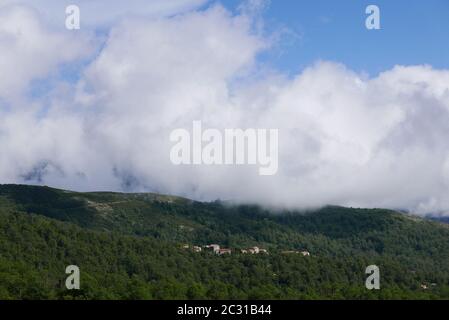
[(102, 13), (344, 138), (29, 50)]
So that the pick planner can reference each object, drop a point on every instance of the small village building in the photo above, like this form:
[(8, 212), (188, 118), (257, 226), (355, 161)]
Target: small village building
[(214, 247), (224, 251)]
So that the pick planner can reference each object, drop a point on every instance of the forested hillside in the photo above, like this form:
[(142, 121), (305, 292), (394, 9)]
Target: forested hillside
[(131, 246)]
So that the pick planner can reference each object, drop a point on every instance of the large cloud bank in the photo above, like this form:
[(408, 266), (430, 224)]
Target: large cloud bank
[(344, 138)]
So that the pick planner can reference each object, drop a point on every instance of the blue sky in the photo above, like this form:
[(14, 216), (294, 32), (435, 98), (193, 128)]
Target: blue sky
[(413, 32)]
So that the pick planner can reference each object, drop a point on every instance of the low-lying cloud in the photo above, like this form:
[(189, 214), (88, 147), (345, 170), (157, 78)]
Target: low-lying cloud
[(344, 138)]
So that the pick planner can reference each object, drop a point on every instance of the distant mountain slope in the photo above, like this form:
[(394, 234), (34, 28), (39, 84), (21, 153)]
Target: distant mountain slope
[(440, 219), (129, 246)]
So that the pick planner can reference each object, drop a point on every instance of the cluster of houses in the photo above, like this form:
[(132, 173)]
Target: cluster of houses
[(215, 248), (254, 250)]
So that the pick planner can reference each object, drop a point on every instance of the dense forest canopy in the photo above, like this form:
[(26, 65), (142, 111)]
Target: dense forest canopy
[(134, 246)]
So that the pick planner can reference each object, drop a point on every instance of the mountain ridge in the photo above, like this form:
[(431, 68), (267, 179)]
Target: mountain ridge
[(36, 222)]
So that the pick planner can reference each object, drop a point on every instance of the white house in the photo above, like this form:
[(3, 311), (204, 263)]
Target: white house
[(215, 248)]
